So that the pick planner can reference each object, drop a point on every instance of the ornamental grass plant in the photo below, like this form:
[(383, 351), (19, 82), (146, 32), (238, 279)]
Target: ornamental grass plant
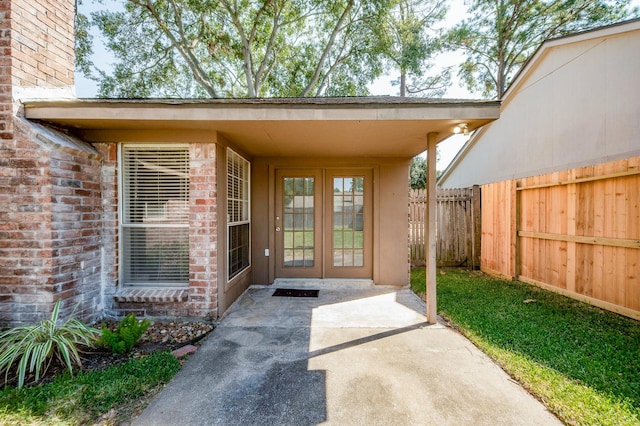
[(30, 349)]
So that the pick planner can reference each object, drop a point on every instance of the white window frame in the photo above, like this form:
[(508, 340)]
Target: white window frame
[(231, 154), (121, 216)]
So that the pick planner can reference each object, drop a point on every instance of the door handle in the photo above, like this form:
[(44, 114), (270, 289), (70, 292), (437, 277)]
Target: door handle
[(277, 229)]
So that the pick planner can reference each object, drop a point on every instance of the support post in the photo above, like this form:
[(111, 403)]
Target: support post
[(430, 230)]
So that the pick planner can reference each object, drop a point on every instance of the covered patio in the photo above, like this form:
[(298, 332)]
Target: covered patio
[(364, 145), (356, 355)]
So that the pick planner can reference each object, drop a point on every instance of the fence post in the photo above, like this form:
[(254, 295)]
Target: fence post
[(516, 261)]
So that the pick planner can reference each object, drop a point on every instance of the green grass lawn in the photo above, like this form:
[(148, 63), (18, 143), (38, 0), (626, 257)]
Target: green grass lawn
[(342, 238), (581, 361), (81, 399)]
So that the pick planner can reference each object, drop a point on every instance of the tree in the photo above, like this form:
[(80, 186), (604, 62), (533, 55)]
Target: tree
[(418, 173), (409, 41), (231, 48), (499, 36)]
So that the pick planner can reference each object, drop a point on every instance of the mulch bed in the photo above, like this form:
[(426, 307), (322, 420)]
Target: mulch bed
[(160, 336)]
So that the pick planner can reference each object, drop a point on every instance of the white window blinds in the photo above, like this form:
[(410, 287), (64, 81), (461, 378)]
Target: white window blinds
[(238, 214), (155, 215)]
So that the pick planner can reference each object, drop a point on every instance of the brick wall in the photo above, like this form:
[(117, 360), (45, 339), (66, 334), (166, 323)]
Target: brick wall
[(201, 300), (59, 196), (25, 231), (109, 186), (36, 54), (50, 227), (48, 251), (42, 42), (76, 225), (203, 273), (6, 93), (50, 224)]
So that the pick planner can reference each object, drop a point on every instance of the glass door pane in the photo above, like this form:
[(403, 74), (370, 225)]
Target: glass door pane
[(348, 222), (298, 222)]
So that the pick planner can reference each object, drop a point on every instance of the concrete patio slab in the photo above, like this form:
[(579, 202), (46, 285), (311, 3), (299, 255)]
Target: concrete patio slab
[(356, 355)]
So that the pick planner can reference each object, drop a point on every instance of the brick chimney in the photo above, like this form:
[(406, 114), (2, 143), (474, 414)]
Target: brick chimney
[(50, 192), (37, 62)]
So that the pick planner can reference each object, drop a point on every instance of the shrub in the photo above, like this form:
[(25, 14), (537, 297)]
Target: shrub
[(35, 346), (126, 334)]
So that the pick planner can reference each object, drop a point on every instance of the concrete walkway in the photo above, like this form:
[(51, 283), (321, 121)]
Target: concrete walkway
[(356, 355)]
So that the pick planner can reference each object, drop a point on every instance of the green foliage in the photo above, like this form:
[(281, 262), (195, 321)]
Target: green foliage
[(126, 334), (186, 48), (583, 362), (83, 398), (33, 347), (409, 40), (418, 173), (498, 37)]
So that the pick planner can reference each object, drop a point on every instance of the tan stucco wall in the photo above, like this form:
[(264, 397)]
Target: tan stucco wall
[(578, 106), (228, 291), (390, 218)]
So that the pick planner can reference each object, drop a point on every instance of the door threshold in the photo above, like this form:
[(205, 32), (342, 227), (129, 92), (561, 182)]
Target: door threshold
[(326, 283)]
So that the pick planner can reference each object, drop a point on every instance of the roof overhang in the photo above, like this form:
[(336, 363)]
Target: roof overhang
[(327, 127)]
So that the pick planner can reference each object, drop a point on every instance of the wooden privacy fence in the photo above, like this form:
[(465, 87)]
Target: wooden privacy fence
[(576, 232), (457, 227)]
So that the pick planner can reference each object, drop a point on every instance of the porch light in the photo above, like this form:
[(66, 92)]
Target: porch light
[(461, 128)]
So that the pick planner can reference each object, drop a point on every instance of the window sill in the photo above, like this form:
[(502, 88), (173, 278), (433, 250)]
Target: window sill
[(153, 295)]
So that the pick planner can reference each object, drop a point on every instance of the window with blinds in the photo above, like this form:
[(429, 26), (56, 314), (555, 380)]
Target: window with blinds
[(238, 218), (155, 215)]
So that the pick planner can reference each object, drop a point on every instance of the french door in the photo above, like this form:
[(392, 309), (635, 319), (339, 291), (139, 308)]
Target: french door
[(323, 223)]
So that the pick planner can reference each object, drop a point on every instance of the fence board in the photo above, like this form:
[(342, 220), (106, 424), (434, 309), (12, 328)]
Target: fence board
[(578, 232), (498, 248), (455, 238)]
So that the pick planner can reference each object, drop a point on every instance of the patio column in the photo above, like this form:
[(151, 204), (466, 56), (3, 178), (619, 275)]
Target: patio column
[(430, 231)]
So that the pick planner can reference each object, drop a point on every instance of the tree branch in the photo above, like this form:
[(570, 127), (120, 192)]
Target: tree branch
[(198, 73), (246, 47), (268, 50), (327, 49)]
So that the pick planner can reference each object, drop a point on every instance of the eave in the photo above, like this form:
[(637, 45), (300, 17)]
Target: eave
[(328, 127)]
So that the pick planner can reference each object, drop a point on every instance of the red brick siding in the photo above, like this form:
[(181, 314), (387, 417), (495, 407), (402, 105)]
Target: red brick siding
[(25, 231), (50, 194), (203, 272), (6, 102), (42, 42), (203, 289), (109, 185), (76, 225), (36, 50), (50, 229)]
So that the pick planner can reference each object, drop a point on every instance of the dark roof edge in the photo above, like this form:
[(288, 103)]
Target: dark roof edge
[(566, 36), (369, 101), (594, 29)]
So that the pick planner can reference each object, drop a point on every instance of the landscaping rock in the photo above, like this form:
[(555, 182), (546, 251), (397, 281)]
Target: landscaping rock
[(185, 350)]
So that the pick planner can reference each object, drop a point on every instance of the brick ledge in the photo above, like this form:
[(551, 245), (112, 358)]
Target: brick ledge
[(157, 295)]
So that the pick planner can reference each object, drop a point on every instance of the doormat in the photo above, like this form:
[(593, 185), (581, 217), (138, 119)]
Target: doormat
[(292, 292)]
